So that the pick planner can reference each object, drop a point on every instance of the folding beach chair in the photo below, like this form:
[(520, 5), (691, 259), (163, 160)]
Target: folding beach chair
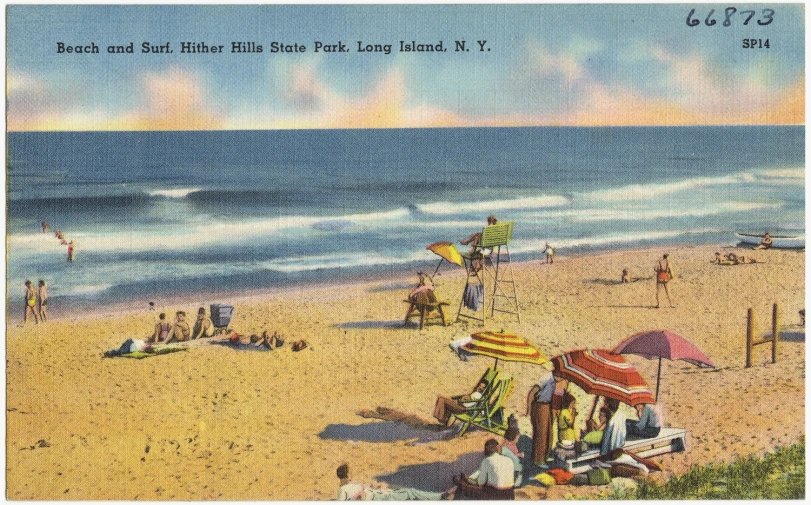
[(425, 305), (488, 413), (490, 377)]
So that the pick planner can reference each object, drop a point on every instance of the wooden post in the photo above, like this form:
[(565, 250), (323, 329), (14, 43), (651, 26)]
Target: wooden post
[(750, 331), (775, 331)]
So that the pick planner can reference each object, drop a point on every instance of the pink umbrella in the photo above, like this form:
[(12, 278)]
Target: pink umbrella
[(663, 344)]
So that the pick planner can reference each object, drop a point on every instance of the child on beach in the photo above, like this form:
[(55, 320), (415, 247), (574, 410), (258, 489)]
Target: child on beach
[(567, 418), (509, 448)]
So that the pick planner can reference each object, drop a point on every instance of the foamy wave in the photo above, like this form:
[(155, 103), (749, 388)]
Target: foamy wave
[(174, 193), (653, 191), (89, 289), (336, 261), (606, 240), (650, 215), (784, 173), (493, 205)]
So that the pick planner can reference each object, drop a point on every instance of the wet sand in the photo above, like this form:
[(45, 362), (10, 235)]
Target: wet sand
[(215, 423)]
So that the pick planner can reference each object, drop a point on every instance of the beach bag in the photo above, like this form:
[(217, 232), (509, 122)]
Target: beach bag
[(598, 476), (545, 479), (593, 437), (560, 475)]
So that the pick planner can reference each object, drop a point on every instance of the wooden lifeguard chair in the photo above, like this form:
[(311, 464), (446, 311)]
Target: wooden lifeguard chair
[(494, 263)]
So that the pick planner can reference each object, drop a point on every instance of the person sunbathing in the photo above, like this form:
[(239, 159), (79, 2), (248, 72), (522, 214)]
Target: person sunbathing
[(445, 406)]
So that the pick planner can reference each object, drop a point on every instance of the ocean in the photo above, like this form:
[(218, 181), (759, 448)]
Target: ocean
[(159, 215)]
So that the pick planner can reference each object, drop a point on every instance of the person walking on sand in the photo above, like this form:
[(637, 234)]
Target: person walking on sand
[(550, 253), (30, 302), (664, 273), (42, 293)]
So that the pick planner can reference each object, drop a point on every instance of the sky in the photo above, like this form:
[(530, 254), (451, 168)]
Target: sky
[(543, 65)]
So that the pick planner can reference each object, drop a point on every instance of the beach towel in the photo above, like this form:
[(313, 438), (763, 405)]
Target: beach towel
[(474, 296), (142, 354)]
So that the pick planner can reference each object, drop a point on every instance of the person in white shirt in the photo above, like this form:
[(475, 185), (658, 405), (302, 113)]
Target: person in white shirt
[(494, 480), (353, 491)]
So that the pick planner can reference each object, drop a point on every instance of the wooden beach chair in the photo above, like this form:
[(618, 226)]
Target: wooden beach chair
[(488, 413), (425, 305)]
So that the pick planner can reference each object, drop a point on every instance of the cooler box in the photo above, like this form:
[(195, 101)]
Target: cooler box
[(221, 314)]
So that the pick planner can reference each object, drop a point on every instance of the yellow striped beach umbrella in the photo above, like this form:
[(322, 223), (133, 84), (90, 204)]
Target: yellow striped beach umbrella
[(505, 346), (447, 252)]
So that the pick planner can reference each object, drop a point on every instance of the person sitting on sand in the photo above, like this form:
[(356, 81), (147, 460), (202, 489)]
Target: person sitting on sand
[(494, 480), (626, 277), (162, 329), (203, 327), (648, 425), (765, 242), (444, 406), (353, 491), (567, 419), (180, 331), (509, 448)]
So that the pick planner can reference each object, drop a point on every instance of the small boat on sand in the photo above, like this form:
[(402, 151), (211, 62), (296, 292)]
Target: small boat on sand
[(782, 241)]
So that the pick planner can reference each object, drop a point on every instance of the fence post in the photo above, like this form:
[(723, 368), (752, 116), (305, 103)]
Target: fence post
[(775, 331), (750, 331)]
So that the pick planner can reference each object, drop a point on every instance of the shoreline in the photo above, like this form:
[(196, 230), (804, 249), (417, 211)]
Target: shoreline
[(369, 279), (206, 423)]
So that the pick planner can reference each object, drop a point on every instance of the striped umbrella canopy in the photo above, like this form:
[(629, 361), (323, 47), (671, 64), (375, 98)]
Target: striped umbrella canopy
[(601, 372), (504, 346)]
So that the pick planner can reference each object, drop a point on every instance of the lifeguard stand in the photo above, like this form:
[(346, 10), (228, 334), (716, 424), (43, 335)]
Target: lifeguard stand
[(495, 265)]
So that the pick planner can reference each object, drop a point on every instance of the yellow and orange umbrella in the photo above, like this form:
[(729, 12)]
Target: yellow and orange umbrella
[(448, 252), (505, 346)]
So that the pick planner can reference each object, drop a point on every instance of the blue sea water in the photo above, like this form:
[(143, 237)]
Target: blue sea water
[(160, 214)]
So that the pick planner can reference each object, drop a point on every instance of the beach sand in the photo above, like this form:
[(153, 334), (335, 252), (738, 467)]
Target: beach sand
[(215, 423)]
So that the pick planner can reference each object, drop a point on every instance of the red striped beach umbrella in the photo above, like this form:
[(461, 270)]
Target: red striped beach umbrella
[(504, 346), (601, 372)]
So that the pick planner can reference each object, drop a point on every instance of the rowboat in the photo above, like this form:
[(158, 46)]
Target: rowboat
[(787, 241)]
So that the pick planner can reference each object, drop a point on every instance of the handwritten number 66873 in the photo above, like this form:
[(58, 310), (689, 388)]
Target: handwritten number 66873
[(766, 17)]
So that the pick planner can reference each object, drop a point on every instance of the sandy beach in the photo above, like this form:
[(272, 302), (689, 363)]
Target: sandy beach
[(215, 423)]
